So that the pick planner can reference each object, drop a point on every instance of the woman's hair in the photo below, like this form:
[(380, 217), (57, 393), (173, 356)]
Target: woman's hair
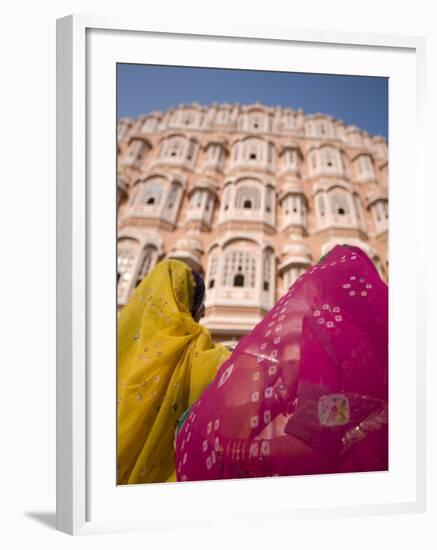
[(199, 292)]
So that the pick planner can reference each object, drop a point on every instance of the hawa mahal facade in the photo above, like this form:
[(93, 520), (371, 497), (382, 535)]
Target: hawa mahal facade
[(248, 195)]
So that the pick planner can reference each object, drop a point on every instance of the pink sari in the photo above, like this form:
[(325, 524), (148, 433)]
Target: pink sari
[(306, 391)]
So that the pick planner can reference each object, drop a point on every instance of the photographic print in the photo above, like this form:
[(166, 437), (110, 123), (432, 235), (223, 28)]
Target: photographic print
[(252, 274)]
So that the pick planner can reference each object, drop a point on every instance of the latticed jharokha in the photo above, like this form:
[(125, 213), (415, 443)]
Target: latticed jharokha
[(248, 195)]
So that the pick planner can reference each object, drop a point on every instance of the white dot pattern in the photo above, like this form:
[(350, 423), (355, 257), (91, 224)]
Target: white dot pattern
[(265, 376)]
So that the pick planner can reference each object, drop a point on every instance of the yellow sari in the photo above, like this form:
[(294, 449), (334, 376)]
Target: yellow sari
[(165, 361)]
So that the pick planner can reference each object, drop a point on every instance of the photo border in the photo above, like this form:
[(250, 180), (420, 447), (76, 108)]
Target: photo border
[(73, 265)]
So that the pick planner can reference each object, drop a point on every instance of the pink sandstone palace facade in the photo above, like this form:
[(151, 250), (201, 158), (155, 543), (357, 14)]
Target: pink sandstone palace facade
[(248, 195)]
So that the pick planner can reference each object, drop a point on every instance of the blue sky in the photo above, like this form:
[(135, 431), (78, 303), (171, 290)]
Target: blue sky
[(358, 100)]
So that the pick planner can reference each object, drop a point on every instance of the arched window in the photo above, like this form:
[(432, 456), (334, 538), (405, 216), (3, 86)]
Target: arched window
[(357, 208), (288, 122), (213, 153), (123, 128), (134, 197), (174, 118), (269, 199), (267, 270), (135, 153), (340, 204), (248, 197), (215, 156), (201, 208), (191, 150), (196, 199), (321, 205), (212, 273), (147, 263), (380, 149), (241, 122), (329, 160), (226, 197), (239, 268), (153, 192), (379, 210), (324, 128), (290, 160), (188, 119), (364, 167), (343, 162), (149, 125), (355, 138), (125, 264), (222, 116), (126, 260), (185, 117), (309, 128), (294, 210), (175, 148), (257, 122), (313, 161), (253, 151), (172, 196)]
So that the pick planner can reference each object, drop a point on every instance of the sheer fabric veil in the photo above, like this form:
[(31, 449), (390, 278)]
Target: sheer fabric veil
[(307, 390)]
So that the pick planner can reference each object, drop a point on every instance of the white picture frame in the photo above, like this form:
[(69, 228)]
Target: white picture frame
[(78, 298)]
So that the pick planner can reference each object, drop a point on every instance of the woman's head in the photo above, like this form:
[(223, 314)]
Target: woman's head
[(198, 308), (174, 279)]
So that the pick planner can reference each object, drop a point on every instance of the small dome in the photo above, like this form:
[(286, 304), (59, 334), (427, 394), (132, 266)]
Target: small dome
[(216, 140), (288, 187), (294, 253), (188, 250), (208, 185), (297, 249), (289, 145), (189, 244)]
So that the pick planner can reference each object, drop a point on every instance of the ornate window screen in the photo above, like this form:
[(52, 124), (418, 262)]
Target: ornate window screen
[(153, 193), (240, 263), (125, 266), (340, 204), (321, 205), (246, 195), (269, 199), (173, 195), (212, 275), (267, 270)]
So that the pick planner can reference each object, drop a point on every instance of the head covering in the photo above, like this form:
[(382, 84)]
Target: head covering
[(307, 390), (165, 360)]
